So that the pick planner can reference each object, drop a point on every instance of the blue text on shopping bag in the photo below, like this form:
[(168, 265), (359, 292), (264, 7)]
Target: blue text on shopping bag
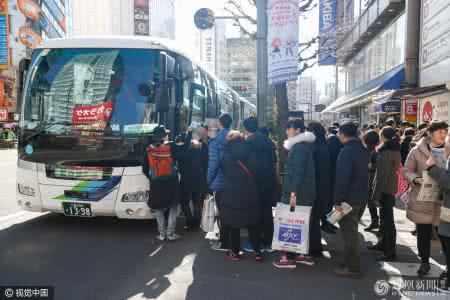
[(290, 235)]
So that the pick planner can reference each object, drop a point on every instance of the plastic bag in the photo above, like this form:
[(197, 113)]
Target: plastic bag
[(208, 214), (291, 229)]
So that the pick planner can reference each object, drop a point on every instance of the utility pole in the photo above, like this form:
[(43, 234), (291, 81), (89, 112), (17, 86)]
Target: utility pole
[(261, 40)]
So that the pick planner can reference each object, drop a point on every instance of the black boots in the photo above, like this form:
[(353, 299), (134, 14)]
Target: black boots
[(372, 226), (424, 269)]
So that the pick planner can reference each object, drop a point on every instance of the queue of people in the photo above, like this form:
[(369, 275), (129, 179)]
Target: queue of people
[(324, 169)]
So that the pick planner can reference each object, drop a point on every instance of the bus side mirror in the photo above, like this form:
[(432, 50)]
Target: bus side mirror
[(24, 66)]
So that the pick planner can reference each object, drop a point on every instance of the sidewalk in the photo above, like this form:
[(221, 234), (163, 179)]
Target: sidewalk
[(401, 275)]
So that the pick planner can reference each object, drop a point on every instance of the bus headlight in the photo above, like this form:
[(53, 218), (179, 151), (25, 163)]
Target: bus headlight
[(25, 190), (136, 196)]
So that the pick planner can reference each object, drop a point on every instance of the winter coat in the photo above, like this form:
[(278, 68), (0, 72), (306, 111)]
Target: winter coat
[(215, 154), (373, 161), (262, 151), (322, 167), (164, 193), (299, 170), (404, 149), (334, 147), (442, 176), (386, 179), (240, 207), (419, 212), (193, 168), (352, 174)]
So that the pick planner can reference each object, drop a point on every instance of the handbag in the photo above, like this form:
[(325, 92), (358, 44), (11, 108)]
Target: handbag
[(404, 197), (208, 214), (291, 229)]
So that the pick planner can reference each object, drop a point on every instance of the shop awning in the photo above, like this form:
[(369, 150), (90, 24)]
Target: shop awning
[(375, 88)]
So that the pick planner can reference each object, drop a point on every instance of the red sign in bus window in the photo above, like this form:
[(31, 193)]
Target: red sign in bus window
[(92, 113)]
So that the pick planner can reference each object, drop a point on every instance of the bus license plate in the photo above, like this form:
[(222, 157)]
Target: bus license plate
[(73, 209)]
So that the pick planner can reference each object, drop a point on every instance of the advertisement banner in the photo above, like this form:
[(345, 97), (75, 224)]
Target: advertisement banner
[(3, 7), (283, 31), (327, 32), (3, 114), (409, 110), (434, 108), (141, 17), (30, 9), (29, 37), (92, 114), (208, 38)]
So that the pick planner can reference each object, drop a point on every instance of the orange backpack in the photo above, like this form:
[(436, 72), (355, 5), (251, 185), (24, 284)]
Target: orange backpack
[(161, 163)]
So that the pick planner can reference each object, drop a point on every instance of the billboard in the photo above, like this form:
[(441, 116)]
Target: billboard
[(3, 114), (4, 35), (283, 32), (327, 32), (141, 17)]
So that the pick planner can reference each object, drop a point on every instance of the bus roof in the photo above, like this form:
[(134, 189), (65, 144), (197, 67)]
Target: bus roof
[(124, 42)]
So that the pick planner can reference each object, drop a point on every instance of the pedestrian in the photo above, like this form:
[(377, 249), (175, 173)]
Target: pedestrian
[(404, 125), (390, 123), (323, 196), (371, 140), (159, 166), (424, 214), (240, 206), (262, 154), (215, 175), (405, 146), (385, 187), (442, 176), (299, 180), (351, 187), (334, 148), (193, 178)]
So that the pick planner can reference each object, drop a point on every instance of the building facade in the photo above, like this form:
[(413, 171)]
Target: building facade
[(292, 94), (308, 97), (371, 58), (123, 17), (241, 67), (23, 25)]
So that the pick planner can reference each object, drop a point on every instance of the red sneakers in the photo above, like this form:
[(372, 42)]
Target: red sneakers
[(232, 256), (284, 263)]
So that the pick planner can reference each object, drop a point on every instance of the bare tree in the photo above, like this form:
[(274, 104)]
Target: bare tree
[(308, 56)]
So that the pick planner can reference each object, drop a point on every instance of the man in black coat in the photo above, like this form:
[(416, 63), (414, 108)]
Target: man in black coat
[(351, 187), (334, 148), (262, 156)]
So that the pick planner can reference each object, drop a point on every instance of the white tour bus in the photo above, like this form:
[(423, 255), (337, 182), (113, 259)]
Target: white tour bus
[(88, 109)]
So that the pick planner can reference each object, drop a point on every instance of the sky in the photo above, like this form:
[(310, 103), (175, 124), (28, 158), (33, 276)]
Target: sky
[(185, 30)]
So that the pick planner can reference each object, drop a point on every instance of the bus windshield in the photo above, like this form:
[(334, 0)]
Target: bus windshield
[(89, 106), (91, 90)]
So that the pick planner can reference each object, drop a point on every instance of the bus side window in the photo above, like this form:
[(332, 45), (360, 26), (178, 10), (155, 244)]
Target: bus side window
[(211, 111)]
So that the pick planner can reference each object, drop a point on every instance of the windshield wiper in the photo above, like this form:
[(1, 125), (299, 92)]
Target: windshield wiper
[(47, 127)]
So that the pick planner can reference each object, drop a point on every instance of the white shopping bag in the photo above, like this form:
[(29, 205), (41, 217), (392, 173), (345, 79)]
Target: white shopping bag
[(208, 214), (429, 192), (291, 229)]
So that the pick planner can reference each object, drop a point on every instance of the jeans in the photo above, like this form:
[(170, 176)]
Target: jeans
[(171, 222), (388, 233), (424, 232), (350, 235)]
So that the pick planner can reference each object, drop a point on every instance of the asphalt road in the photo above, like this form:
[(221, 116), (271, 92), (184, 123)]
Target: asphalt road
[(106, 258)]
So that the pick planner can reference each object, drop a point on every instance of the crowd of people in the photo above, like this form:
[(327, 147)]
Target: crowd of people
[(359, 166)]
